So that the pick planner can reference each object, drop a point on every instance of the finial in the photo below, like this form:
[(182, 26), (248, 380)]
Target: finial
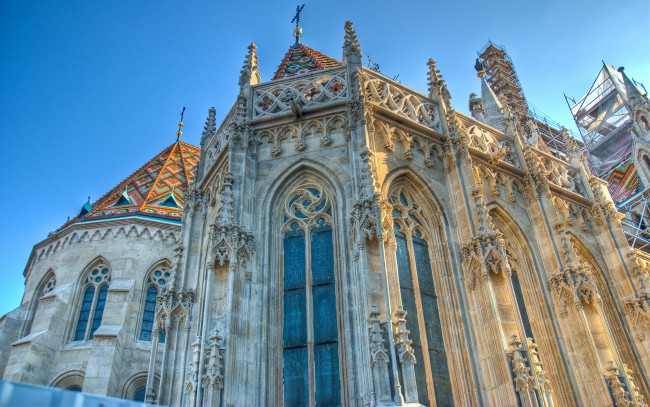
[(250, 73), (437, 87), (351, 43), (179, 133), (480, 68), (210, 127), (297, 31)]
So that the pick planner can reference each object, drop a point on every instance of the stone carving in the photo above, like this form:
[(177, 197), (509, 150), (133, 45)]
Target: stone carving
[(573, 284), (634, 389), (379, 358), (351, 44), (406, 356), (309, 90), (212, 381), (617, 387), (524, 381), (400, 101), (437, 88), (638, 311), (485, 253), (322, 128), (543, 384), (173, 306), (133, 231)]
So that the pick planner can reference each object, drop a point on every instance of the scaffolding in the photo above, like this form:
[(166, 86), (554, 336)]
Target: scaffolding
[(502, 78), (603, 119)]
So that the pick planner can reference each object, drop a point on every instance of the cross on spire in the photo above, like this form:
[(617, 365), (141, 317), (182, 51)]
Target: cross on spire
[(179, 133), (297, 32)]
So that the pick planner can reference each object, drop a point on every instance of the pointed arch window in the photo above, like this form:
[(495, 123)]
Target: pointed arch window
[(92, 302), (156, 284), (310, 333), (420, 300)]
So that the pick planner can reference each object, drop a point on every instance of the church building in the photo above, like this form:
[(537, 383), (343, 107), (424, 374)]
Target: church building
[(343, 240)]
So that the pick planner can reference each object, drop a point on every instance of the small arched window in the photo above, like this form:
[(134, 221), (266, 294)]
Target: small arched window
[(49, 285), (92, 302), (156, 284)]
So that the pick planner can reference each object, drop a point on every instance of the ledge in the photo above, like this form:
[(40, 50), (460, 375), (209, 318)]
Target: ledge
[(28, 339)]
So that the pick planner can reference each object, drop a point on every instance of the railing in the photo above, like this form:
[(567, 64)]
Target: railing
[(308, 90), (400, 100)]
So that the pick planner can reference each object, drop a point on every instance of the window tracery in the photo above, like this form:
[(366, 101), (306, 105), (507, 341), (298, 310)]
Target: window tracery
[(156, 284), (310, 332), (92, 302), (419, 299), (50, 285)]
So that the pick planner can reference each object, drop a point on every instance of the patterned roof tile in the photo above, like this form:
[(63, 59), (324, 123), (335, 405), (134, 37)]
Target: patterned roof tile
[(300, 59), (170, 172)]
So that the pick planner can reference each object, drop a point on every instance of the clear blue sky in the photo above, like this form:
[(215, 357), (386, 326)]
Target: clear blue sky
[(90, 90)]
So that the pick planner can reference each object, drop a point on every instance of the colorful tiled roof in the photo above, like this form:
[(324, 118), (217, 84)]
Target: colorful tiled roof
[(623, 181), (300, 59), (157, 189)]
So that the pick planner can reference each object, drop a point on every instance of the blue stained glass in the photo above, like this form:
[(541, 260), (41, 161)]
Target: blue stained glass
[(295, 381), (324, 298), (320, 206), (421, 376), (441, 380), (521, 305), (294, 262), (148, 314), (423, 263), (294, 199), (84, 313), (99, 309), (314, 192), (408, 302), (326, 367), (322, 256), (295, 318), (139, 394), (402, 199), (403, 262)]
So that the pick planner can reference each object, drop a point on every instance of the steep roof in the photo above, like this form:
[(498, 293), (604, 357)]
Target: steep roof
[(300, 59), (156, 189)]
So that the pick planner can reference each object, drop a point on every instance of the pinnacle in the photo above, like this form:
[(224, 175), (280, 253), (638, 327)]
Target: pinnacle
[(351, 43)]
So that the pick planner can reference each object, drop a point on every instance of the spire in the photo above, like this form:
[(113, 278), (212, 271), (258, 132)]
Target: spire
[(351, 48), (210, 127), (297, 31), (437, 88), (491, 106), (250, 74)]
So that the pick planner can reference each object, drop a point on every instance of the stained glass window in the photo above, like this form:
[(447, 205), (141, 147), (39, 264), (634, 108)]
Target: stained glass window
[(309, 303), (156, 283), (420, 301), (92, 302)]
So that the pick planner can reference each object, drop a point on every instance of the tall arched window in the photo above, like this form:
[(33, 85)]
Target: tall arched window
[(156, 283), (420, 300), (310, 333), (92, 302)]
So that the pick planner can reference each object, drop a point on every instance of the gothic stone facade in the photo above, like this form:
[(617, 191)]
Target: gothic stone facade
[(350, 241)]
